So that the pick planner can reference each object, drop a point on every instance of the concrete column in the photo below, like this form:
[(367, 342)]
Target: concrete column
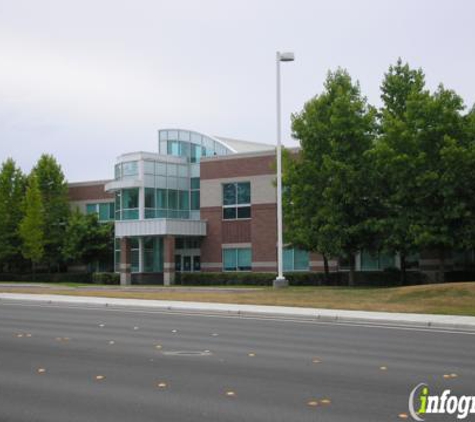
[(125, 262), (169, 260)]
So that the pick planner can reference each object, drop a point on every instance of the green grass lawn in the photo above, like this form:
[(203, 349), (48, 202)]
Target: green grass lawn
[(453, 298)]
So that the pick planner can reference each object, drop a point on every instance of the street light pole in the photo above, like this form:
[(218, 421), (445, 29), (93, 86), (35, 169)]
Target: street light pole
[(280, 281)]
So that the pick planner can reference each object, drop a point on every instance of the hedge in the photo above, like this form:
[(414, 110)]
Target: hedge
[(106, 278), (362, 278), (48, 277)]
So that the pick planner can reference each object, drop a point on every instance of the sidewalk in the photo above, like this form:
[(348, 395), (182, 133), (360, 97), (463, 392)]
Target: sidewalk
[(447, 322)]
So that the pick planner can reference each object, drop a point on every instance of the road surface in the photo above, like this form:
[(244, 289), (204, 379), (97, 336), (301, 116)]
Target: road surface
[(63, 363)]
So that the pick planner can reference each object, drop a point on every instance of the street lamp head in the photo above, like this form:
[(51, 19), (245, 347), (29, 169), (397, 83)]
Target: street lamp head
[(288, 56)]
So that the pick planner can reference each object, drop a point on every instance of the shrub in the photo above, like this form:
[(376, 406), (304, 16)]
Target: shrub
[(363, 278), (48, 277), (106, 278)]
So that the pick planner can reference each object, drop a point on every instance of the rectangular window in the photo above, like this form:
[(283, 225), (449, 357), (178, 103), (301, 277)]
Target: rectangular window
[(161, 200), (237, 259), (195, 200), (375, 261), (295, 260), (149, 167), (149, 198), (172, 199), (130, 169), (236, 200), (104, 211), (184, 200), (91, 208), (130, 204), (195, 183)]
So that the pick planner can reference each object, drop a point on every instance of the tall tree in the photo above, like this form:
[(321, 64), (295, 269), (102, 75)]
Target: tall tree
[(329, 185), (32, 226), (444, 181), (12, 190), (394, 161), (88, 240), (54, 193)]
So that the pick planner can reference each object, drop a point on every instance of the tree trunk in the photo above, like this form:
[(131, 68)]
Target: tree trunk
[(441, 265), (351, 279), (327, 270), (403, 275)]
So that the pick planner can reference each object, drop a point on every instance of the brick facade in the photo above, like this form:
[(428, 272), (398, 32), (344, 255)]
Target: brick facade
[(89, 191)]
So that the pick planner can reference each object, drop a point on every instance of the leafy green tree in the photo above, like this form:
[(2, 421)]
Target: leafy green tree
[(54, 193), (444, 182), (32, 226), (88, 240), (329, 192), (393, 161), (12, 190)]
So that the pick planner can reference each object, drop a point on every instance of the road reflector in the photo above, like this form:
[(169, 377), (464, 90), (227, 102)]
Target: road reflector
[(162, 385), (316, 360), (325, 401), (100, 377), (111, 342), (230, 393), (383, 368), (158, 346), (251, 355), (312, 403), (41, 370), (403, 416)]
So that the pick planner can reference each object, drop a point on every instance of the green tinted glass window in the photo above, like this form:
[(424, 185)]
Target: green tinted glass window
[(229, 260), (229, 194), (104, 212), (195, 200), (162, 198), (173, 199), (130, 198), (91, 208), (195, 183), (244, 259), (149, 198), (184, 200), (244, 193)]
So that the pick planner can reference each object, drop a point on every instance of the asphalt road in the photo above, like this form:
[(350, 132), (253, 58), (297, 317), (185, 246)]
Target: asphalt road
[(65, 364)]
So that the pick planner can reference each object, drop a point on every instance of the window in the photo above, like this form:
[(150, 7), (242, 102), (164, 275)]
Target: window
[(374, 261), (195, 194), (104, 211), (295, 260), (130, 204), (130, 169), (153, 254), (237, 259), (236, 200)]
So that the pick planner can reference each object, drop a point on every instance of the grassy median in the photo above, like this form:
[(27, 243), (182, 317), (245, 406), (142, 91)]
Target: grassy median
[(454, 298)]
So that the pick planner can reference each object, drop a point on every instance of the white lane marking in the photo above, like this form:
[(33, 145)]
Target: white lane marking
[(433, 330)]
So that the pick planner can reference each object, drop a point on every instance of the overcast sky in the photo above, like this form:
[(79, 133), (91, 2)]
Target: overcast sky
[(88, 80)]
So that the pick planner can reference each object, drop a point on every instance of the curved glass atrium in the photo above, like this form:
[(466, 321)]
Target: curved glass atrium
[(167, 184)]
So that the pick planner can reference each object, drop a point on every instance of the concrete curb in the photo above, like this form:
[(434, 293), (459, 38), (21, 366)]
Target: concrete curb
[(441, 322)]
